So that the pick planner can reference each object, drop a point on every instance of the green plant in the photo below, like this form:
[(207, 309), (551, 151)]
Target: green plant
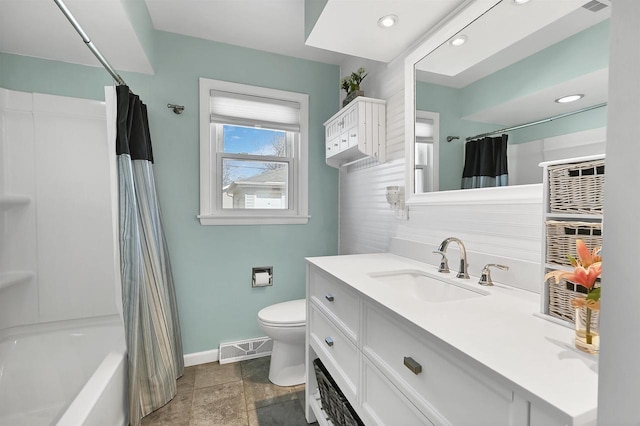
[(352, 82)]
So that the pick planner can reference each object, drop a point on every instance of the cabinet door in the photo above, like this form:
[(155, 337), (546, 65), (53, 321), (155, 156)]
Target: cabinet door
[(436, 379), (384, 404), (332, 129), (338, 354), (338, 301)]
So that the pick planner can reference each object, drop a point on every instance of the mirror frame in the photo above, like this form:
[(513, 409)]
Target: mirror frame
[(454, 23)]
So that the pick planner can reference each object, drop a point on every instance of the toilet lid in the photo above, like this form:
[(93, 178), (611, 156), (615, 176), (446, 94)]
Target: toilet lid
[(293, 312)]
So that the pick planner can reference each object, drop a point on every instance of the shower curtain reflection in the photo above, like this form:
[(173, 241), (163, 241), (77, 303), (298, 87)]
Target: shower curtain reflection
[(149, 302), (485, 163)]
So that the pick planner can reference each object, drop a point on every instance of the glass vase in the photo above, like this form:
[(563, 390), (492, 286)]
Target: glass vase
[(587, 330)]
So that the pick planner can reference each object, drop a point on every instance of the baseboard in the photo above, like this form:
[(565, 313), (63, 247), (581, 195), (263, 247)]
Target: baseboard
[(198, 358)]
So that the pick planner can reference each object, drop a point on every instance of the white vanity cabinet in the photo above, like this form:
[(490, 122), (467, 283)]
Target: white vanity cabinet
[(393, 372), (356, 131), (434, 378)]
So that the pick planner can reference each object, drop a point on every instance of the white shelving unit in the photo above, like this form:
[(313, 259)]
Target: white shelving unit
[(570, 218)]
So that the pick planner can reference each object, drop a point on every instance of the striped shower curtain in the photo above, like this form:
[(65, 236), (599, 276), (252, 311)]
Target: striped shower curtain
[(148, 295)]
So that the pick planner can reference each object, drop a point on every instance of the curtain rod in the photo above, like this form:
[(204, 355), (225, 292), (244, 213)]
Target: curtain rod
[(88, 42), (533, 123)]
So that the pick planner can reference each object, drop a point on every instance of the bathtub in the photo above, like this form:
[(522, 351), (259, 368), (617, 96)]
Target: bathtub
[(67, 373)]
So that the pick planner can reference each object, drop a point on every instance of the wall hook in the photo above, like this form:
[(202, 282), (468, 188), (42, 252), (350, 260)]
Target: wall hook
[(452, 138), (178, 109)]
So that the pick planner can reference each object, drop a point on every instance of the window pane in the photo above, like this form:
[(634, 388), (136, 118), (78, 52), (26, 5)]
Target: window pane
[(254, 141), (254, 184)]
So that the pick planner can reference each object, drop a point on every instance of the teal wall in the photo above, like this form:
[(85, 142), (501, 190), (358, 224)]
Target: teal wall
[(447, 102), (582, 53), (212, 264), (141, 22)]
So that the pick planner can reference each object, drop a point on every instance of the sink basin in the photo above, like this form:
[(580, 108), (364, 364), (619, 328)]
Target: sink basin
[(425, 287)]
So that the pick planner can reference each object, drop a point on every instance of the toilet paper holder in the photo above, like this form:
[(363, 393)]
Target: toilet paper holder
[(262, 276)]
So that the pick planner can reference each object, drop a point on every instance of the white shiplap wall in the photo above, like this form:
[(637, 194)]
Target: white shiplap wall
[(366, 221), (505, 232)]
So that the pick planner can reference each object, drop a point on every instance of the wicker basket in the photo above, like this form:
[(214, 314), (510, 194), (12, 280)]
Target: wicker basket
[(562, 236), (577, 187), (333, 401), (560, 296)]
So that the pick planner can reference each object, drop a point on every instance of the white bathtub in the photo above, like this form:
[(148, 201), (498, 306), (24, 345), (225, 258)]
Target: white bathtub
[(66, 373)]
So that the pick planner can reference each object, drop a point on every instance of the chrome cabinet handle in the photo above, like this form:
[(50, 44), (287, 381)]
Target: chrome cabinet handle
[(329, 297), (412, 365), (328, 341)]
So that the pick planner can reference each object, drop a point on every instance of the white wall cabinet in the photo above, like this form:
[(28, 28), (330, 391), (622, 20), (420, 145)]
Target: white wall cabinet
[(356, 131), (393, 372)]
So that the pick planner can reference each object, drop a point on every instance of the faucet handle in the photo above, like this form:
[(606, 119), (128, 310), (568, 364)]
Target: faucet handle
[(485, 278), (444, 264)]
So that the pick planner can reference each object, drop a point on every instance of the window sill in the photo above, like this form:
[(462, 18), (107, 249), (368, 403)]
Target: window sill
[(253, 220)]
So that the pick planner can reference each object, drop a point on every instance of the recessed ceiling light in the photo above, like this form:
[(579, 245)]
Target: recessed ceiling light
[(570, 98), (521, 1), (458, 40), (388, 21)]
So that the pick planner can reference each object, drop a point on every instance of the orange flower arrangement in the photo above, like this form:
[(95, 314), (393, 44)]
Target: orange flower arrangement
[(587, 268)]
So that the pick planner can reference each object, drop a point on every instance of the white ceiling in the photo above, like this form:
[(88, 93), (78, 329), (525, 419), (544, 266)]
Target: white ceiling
[(38, 28), (271, 25), (351, 26), (506, 18), (346, 27), (540, 105), (530, 27)]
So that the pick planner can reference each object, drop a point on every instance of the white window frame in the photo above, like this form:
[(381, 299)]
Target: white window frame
[(211, 211)]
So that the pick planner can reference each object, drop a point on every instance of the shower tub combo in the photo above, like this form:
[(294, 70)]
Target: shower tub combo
[(66, 373)]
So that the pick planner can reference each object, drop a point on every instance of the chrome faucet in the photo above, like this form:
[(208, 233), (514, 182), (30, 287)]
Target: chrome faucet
[(442, 249)]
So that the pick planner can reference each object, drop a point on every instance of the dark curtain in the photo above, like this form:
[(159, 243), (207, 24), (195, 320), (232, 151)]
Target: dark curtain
[(485, 163), (154, 346)]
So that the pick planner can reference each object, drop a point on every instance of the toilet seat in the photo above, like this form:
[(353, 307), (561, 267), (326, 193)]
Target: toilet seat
[(286, 314)]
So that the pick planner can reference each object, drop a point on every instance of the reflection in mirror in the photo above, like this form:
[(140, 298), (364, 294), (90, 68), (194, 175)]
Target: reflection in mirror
[(427, 131), (516, 61)]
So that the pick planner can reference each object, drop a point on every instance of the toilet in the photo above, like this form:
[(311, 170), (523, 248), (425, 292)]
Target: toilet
[(285, 324)]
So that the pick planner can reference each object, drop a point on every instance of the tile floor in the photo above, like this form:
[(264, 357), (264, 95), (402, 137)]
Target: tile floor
[(231, 395)]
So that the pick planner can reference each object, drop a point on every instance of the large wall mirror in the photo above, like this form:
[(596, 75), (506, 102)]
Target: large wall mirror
[(492, 77)]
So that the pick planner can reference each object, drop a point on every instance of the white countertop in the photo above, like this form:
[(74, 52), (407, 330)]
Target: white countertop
[(499, 331)]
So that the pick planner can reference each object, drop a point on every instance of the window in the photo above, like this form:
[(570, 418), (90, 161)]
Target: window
[(253, 155)]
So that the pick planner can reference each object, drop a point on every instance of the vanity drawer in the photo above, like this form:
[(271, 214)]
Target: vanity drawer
[(441, 387), (338, 301), (384, 404), (337, 353)]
